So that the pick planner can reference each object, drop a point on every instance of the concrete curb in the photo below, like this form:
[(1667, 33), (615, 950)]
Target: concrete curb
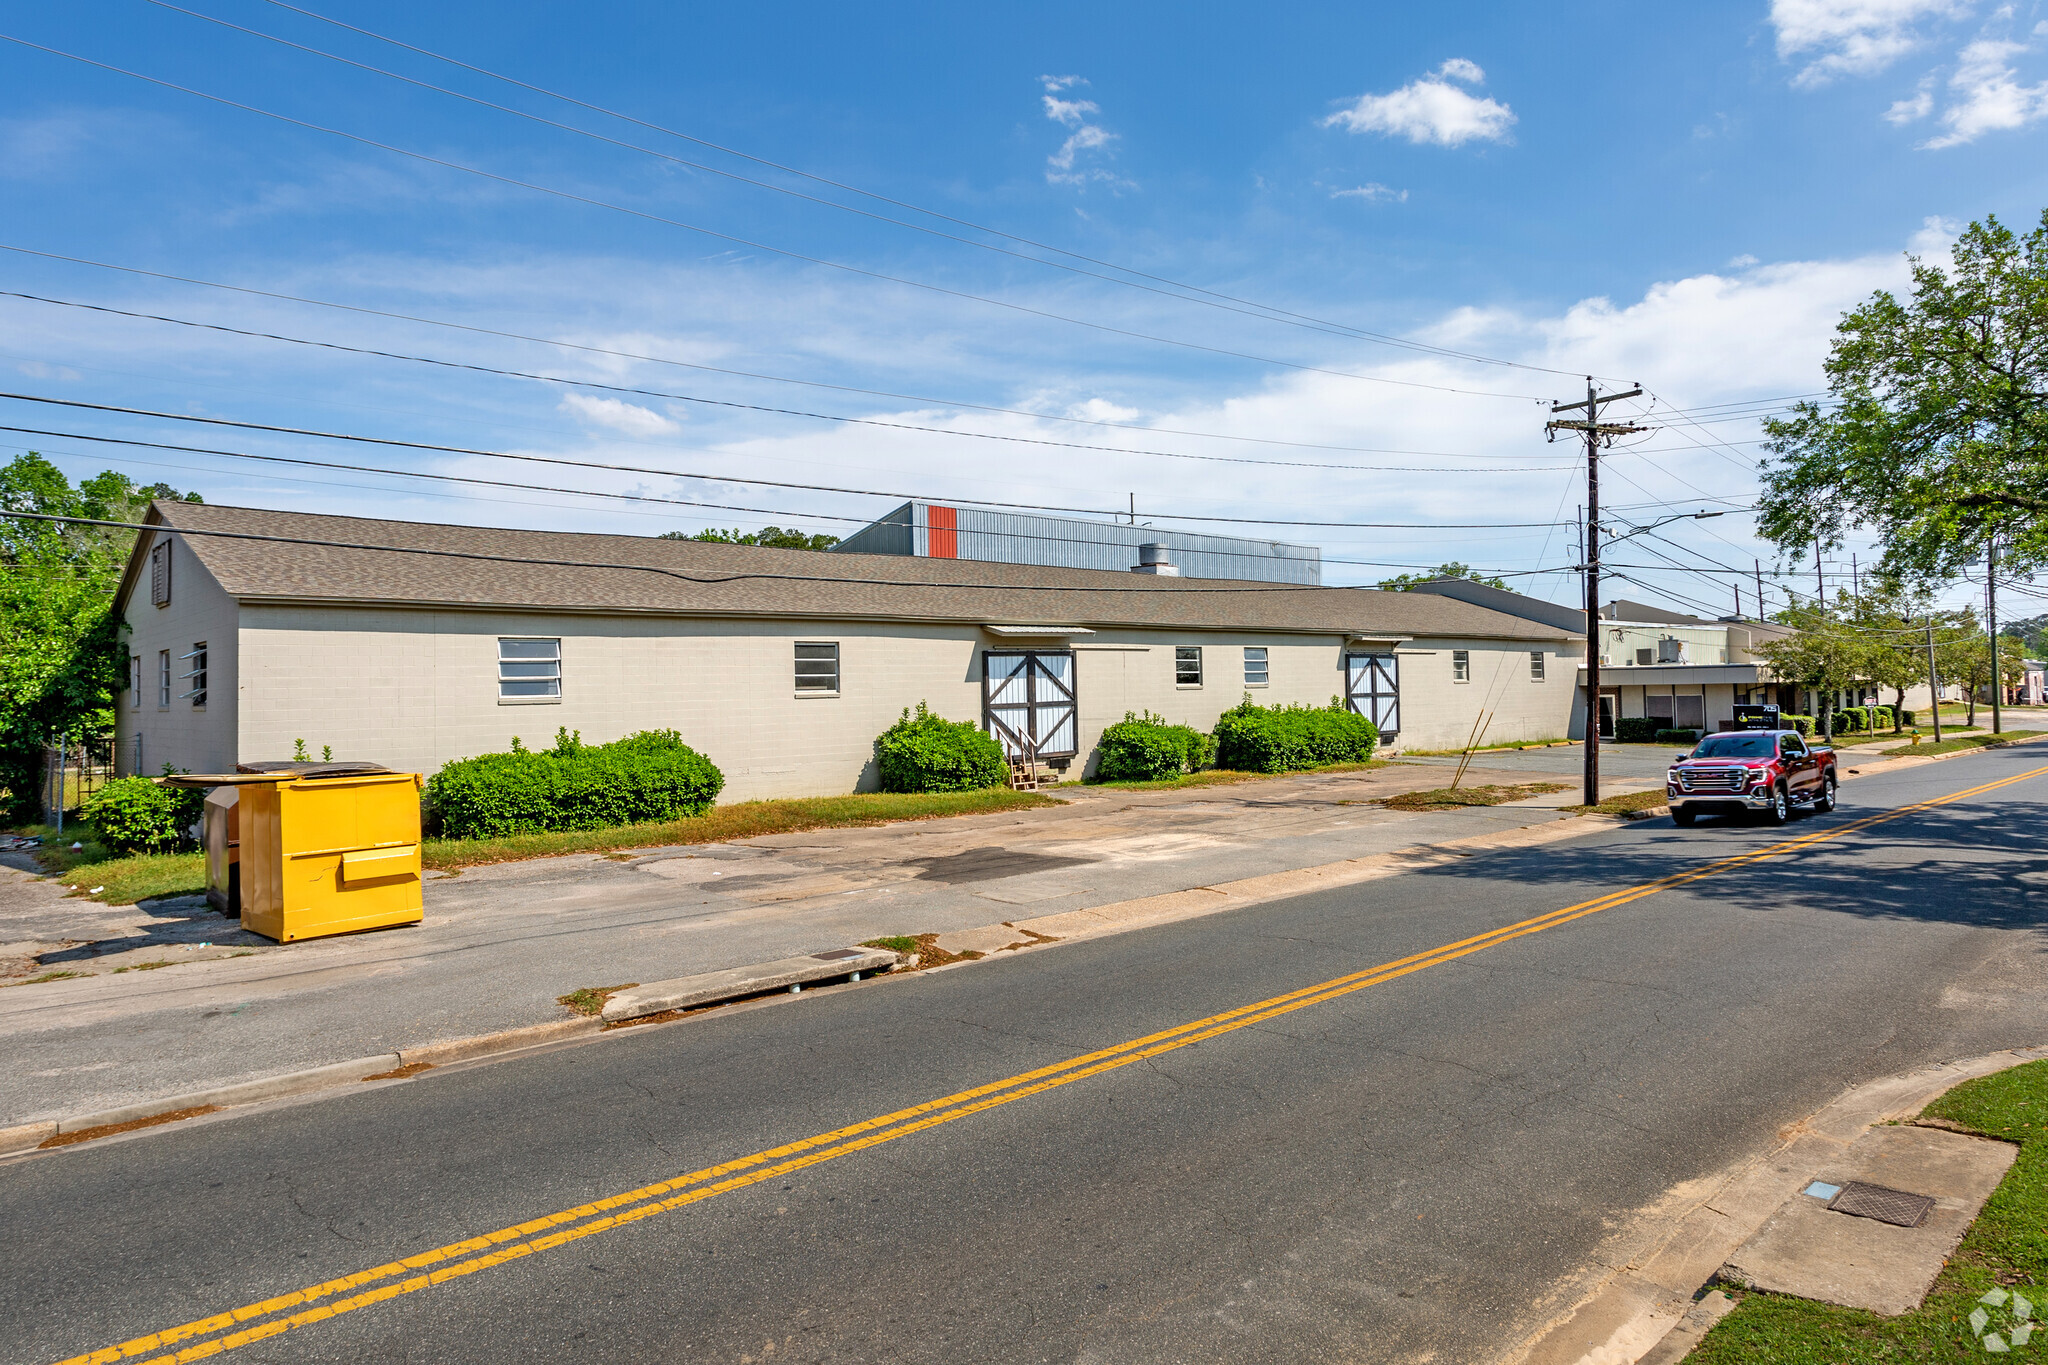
[(1638, 1306), (709, 988), (26, 1136)]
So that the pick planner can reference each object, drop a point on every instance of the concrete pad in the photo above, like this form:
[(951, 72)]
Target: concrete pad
[(709, 987), (990, 939), (1810, 1251)]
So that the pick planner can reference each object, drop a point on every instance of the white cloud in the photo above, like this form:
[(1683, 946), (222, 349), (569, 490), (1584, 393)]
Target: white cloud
[(617, 415), (1373, 192), (1431, 110), (1742, 262), (1070, 165), (1853, 37), (1910, 110), (1989, 95)]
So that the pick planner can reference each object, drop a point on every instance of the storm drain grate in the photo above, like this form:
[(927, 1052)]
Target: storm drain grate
[(836, 954), (1885, 1205)]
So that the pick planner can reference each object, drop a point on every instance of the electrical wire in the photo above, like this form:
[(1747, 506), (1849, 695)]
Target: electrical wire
[(594, 202), (715, 369), (477, 368), (715, 478)]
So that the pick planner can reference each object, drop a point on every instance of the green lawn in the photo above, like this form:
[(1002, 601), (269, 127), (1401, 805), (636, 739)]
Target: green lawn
[(119, 880), (1956, 746), (2007, 1249)]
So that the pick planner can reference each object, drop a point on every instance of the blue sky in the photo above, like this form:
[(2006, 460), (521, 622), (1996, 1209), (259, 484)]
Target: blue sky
[(1685, 196)]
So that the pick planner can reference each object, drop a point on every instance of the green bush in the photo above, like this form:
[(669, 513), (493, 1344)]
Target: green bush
[(928, 753), (652, 775), (1145, 748), (136, 815), (1635, 730), (1906, 716), (1685, 737), (1803, 724), (1277, 739)]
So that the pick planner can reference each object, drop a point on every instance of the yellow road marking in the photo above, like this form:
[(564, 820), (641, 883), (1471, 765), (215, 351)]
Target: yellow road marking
[(524, 1239)]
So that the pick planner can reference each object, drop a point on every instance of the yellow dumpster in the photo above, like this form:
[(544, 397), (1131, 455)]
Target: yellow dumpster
[(223, 851), (324, 848)]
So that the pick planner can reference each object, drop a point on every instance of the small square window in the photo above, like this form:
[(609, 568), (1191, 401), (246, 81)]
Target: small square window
[(1461, 665), (1535, 665), (529, 670), (196, 675), (817, 667), (1255, 666), (1187, 665)]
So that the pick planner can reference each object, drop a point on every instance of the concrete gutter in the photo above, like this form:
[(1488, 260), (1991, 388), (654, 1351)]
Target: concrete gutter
[(791, 973)]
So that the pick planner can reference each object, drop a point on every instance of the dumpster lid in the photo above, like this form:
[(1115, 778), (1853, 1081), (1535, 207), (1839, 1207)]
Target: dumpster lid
[(246, 773)]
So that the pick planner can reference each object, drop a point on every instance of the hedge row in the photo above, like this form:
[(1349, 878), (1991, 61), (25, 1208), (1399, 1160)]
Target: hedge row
[(1864, 719), (1686, 737), (1145, 748), (1275, 739), (135, 815), (644, 777), (927, 753)]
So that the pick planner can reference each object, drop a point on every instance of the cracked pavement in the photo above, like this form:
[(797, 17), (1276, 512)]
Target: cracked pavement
[(1423, 1169)]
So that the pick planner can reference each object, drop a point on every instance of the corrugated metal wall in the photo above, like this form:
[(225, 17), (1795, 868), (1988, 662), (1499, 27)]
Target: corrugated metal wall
[(1059, 542)]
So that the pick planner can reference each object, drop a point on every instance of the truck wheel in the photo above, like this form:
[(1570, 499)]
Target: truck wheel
[(1682, 815), (1825, 802), (1780, 810)]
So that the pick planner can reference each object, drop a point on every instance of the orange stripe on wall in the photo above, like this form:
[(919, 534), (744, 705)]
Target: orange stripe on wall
[(944, 526)]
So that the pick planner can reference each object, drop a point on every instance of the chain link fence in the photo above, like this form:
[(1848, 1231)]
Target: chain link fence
[(73, 769)]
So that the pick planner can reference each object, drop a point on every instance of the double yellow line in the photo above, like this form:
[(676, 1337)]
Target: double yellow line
[(266, 1318)]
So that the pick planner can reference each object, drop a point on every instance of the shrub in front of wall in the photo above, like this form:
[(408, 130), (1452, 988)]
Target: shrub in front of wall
[(1277, 739), (135, 815), (1145, 748), (928, 753), (1635, 730), (649, 776), (1685, 737), (1803, 724), (1905, 716)]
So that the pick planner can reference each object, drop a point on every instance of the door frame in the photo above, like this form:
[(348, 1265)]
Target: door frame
[(1378, 663)]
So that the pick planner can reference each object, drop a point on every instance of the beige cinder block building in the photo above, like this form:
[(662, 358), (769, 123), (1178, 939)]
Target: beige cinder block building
[(413, 644)]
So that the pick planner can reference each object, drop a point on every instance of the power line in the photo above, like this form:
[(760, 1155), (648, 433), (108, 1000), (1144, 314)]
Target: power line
[(593, 202), (1276, 313), (477, 368), (1243, 307), (725, 478), (1155, 586), (715, 369)]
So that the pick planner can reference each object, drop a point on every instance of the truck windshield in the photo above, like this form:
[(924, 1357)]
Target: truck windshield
[(1736, 746)]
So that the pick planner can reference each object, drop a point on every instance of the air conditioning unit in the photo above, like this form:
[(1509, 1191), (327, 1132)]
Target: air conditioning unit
[(1670, 651)]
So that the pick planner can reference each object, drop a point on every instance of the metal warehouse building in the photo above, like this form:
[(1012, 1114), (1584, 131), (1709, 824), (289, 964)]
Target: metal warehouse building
[(928, 530)]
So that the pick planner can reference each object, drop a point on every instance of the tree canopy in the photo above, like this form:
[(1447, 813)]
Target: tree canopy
[(61, 657), (1935, 435), (774, 537), (1403, 582)]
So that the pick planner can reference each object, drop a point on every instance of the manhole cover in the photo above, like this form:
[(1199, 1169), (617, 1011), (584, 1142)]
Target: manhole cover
[(1885, 1205)]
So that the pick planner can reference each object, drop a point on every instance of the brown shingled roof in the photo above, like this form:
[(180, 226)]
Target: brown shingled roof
[(575, 571)]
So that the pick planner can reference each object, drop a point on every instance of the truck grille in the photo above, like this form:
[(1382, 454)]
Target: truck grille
[(1714, 780)]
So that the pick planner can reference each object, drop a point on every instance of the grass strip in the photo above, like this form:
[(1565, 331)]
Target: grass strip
[(1956, 746), (1632, 804), (125, 879), (1451, 798), (1487, 748), (1223, 777), (2005, 1249)]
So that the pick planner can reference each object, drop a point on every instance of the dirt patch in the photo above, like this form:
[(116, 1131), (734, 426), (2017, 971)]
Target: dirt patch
[(143, 967), (589, 1000), (403, 1073), (109, 1129), (1634, 806), (924, 951), (1454, 798), (46, 976)]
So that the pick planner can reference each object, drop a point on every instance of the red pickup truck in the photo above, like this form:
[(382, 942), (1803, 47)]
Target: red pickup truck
[(1774, 772)]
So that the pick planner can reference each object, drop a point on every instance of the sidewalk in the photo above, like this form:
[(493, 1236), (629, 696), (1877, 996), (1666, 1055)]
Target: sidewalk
[(500, 943)]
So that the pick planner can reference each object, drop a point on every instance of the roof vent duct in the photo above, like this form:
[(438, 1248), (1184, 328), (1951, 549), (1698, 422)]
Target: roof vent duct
[(1152, 559)]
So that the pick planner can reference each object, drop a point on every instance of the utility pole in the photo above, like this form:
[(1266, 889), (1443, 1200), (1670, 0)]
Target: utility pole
[(1991, 611), (1933, 682), (1738, 599), (1855, 578), (1759, 588), (1596, 433), (1820, 588)]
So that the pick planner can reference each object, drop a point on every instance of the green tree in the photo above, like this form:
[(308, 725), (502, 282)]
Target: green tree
[(1894, 651), (1965, 659), (61, 658), (774, 537), (1823, 652), (1403, 582), (1936, 435)]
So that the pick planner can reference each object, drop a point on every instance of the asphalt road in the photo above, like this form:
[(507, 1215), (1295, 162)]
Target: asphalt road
[(1405, 1165)]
